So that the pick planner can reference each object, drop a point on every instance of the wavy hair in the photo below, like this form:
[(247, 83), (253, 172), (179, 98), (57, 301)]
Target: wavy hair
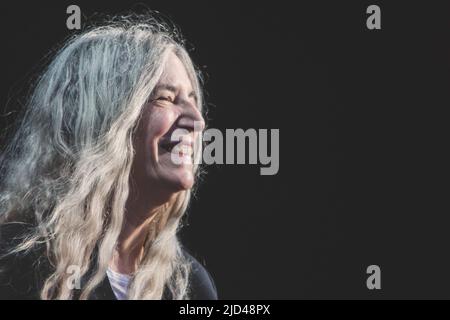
[(67, 168)]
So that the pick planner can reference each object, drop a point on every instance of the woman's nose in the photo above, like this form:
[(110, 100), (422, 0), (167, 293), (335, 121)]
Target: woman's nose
[(192, 119)]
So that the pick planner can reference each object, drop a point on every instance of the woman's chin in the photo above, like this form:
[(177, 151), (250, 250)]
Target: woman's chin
[(180, 179)]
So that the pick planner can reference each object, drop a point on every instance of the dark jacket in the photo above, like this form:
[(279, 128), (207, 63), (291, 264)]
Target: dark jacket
[(22, 275)]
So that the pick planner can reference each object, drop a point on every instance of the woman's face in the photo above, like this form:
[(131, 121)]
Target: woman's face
[(170, 124)]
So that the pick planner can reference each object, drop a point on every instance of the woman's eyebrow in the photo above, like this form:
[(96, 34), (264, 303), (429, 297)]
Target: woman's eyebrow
[(166, 87), (173, 89)]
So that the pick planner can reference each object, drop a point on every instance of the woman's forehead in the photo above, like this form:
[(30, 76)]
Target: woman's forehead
[(174, 75)]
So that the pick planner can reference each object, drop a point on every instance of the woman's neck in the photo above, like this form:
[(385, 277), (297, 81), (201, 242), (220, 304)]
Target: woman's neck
[(138, 219)]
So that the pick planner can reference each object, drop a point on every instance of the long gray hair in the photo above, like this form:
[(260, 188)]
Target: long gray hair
[(68, 166)]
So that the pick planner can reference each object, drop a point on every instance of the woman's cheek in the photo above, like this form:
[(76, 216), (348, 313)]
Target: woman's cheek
[(161, 120)]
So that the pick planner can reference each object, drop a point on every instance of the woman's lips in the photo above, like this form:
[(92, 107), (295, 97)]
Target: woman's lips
[(183, 147)]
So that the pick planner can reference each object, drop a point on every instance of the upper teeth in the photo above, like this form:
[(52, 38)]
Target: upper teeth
[(184, 149)]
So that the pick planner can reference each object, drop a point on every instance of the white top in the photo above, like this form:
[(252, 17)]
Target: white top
[(119, 283)]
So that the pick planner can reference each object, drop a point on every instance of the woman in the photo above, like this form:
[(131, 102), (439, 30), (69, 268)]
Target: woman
[(91, 196)]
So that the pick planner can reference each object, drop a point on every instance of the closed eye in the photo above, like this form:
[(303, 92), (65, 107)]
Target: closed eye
[(193, 95), (164, 98)]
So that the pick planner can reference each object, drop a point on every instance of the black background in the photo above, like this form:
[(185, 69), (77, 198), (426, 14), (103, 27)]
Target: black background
[(363, 125)]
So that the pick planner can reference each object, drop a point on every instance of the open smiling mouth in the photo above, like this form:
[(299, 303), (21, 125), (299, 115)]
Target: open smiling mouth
[(182, 148)]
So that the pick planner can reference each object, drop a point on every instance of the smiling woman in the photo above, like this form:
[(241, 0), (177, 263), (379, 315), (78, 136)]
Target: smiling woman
[(90, 200)]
